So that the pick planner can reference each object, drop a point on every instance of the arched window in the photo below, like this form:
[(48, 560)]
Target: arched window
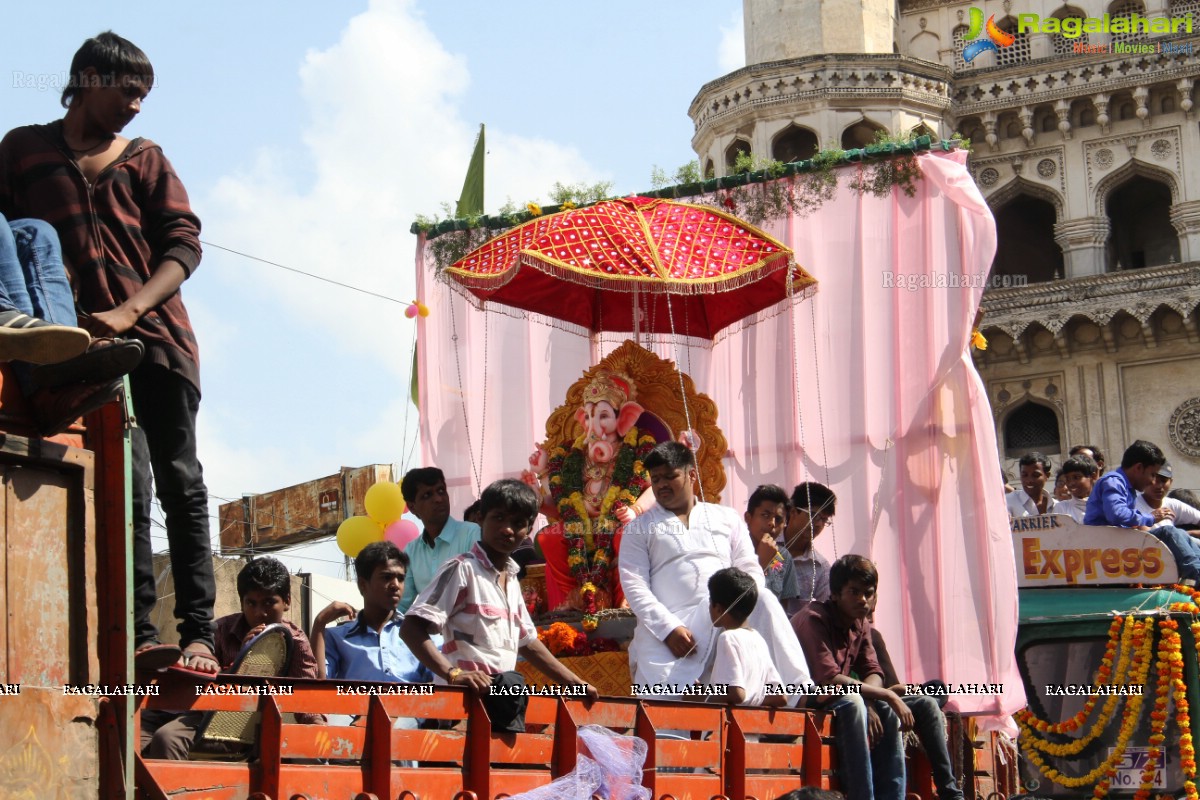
[(1029, 427), (1125, 111), (1063, 45), (959, 37), (1025, 244), (1087, 118), (1139, 218), (1127, 8), (971, 129), (1167, 104), (860, 134), (1049, 123), (1012, 130), (731, 154), (794, 144), (710, 171), (1018, 51)]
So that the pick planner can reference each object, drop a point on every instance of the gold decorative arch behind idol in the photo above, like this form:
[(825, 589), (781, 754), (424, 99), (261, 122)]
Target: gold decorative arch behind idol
[(656, 385)]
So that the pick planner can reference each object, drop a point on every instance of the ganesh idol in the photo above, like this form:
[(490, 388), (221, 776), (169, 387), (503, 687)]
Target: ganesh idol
[(593, 485)]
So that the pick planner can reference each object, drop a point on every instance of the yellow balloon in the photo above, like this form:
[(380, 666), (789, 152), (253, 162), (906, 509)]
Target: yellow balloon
[(384, 502), (356, 533)]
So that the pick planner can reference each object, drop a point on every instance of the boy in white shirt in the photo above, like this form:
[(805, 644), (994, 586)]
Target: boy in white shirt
[(1081, 473), (1032, 498), (1155, 497), (742, 661)]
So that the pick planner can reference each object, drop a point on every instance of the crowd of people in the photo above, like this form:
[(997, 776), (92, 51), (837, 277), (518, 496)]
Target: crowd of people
[(720, 599), (1137, 495), (708, 588)]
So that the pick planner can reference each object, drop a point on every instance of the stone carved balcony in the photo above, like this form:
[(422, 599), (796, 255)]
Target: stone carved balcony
[(1098, 298), (1066, 78), (822, 80)]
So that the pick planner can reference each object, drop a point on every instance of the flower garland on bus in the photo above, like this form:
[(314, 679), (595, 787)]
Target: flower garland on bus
[(1104, 676), (590, 543), (1169, 686), (1142, 641), (1170, 669)]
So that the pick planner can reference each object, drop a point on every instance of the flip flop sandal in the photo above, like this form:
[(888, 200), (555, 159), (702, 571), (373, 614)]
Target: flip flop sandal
[(155, 657), (105, 359), (184, 667), (191, 657), (232, 734)]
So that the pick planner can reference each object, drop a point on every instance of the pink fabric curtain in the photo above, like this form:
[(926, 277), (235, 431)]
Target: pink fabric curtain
[(868, 387)]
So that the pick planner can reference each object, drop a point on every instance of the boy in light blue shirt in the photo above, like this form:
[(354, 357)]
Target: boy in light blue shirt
[(444, 537), (369, 648)]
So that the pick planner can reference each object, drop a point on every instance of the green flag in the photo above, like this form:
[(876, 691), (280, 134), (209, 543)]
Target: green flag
[(470, 202), (413, 387)]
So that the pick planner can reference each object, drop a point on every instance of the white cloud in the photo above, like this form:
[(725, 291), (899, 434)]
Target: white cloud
[(308, 377), (731, 51), (387, 141)]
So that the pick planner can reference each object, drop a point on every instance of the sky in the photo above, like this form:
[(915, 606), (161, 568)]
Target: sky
[(311, 134)]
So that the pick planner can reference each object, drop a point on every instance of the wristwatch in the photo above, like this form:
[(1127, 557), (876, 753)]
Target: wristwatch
[(452, 674)]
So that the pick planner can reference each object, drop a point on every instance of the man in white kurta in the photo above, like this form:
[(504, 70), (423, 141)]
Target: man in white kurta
[(665, 565)]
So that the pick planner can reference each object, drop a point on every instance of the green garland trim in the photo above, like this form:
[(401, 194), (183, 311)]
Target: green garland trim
[(820, 163)]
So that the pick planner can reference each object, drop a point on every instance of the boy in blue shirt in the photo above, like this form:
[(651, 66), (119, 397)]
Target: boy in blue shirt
[(368, 647), (1113, 501), (444, 537)]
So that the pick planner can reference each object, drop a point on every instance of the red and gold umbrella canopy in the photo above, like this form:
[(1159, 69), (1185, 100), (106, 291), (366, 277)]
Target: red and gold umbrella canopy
[(691, 270)]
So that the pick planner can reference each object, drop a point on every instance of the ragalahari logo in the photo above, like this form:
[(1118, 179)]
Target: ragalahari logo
[(996, 38)]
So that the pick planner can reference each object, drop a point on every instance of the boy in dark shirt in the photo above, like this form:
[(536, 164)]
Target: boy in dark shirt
[(928, 720), (836, 638), (129, 240), (265, 589)]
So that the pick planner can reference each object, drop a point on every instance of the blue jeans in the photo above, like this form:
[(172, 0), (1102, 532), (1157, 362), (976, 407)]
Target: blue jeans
[(33, 279), (930, 726), (1183, 547), (867, 773)]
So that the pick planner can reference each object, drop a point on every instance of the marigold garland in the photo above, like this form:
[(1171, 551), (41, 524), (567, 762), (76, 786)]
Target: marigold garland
[(1170, 687), (1142, 638), (563, 640), (1105, 676), (559, 638)]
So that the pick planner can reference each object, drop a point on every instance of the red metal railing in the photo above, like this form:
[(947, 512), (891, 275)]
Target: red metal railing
[(714, 752)]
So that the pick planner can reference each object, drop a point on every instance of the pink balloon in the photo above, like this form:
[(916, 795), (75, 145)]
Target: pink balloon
[(401, 532)]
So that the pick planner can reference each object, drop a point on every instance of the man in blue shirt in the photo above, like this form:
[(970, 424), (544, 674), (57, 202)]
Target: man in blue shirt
[(368, 647), (444, 537), (1113, 501)]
